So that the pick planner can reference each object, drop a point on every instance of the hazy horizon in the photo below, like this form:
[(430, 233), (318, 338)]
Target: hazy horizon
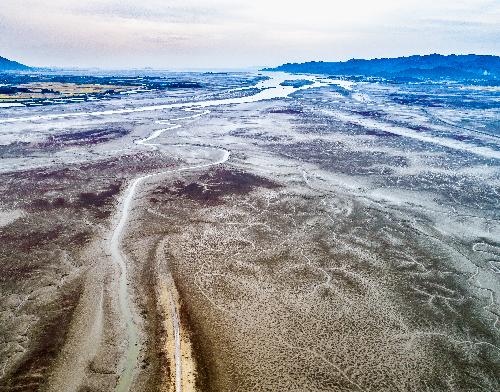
[(223, 34)]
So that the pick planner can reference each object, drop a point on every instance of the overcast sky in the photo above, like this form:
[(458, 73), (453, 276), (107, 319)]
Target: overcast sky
[(232, 33)]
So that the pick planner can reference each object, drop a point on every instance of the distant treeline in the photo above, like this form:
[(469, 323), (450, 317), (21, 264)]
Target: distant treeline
[(434, 66), (151, 82)]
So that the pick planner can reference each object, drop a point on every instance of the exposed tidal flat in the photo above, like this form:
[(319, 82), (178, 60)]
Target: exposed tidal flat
[(257, 232)]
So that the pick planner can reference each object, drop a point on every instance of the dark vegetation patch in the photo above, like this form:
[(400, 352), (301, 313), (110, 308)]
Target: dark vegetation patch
[(13, 90), (213, 186), (87, 189), (50, 174), (98, 199), (60, 141), (14, 149), (132, 164), (369, 113), (58, 202), (251, 134), (463, 138), (181, 84), (86, 200), (27, 250), (30, 239), (377, 132), (418, 128), (80, 238), (47, 204), (64, 185), (32, 371), (87, 137), (336, 157), (292, 111), (100, 169)]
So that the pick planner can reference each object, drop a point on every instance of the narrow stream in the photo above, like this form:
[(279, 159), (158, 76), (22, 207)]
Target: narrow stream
[(270, 89)]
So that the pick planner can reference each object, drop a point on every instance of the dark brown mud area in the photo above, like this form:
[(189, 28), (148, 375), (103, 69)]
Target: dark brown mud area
[(31, 372), (211, 188)]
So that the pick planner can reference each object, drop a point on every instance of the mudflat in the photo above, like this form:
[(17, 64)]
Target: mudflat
[(252, 232)]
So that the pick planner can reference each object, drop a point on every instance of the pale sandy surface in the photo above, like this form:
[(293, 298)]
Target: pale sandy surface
[(7, 217)]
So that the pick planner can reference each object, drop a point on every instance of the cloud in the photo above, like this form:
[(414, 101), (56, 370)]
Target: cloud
[(211, 33)]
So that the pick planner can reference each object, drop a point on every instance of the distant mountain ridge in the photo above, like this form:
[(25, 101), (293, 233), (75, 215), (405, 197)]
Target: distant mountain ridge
[(10, 65), (433, 66)]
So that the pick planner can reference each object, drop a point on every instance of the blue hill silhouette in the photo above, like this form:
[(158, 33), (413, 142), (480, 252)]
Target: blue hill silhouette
[(434, 66), (10, 65)]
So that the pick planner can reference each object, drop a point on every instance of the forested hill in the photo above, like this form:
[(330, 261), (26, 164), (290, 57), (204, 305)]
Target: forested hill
[(434, 66), (9, 65)]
